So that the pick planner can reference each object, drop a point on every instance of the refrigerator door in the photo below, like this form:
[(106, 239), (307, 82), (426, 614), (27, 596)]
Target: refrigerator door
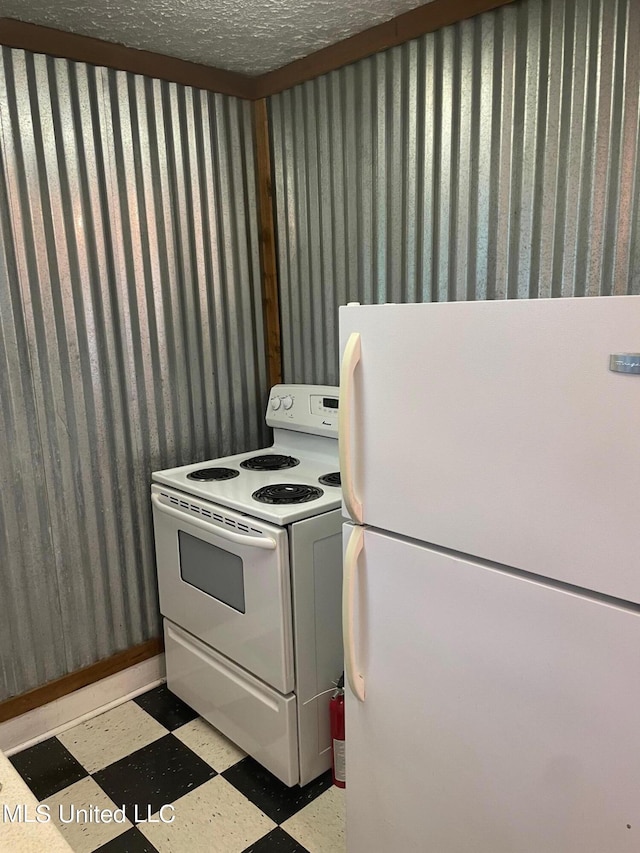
[(498, 429), (500, 714)]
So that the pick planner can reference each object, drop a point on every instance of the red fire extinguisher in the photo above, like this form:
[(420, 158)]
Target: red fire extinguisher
[(336, 714)]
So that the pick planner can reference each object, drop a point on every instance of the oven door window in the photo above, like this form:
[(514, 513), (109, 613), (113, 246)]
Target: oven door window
[(213, 570)]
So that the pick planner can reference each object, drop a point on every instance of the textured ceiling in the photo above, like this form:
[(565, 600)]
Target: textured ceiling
[(249, 36)]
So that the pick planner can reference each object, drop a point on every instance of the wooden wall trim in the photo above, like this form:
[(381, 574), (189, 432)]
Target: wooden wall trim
[(98, 52), (17, 705), (424, 19), (268, 258)]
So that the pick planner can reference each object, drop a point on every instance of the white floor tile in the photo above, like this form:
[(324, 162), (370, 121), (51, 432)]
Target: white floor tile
[(215, 818), (320, 826), (111, 736), (209, 744), (82, 836)]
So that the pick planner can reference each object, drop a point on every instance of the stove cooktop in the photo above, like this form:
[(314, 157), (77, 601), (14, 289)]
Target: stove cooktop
[(264, 492), (297, 477)]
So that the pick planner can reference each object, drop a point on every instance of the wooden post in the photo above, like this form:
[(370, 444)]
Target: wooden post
[(268, 261)]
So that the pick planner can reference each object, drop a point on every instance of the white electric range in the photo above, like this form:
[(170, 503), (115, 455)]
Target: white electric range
[(249, 558)]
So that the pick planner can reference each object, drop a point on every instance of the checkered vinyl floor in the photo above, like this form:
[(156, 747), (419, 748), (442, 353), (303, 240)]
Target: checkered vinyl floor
[(155, 750)]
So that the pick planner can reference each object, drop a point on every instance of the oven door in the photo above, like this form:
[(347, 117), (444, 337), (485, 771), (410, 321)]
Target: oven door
[(224, 577)]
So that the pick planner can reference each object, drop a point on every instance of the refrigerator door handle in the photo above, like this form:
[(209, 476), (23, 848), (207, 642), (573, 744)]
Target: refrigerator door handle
[(354, 677), (350, 359)]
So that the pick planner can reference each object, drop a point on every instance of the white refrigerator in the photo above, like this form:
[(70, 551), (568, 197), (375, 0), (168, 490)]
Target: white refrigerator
[(490, 460)]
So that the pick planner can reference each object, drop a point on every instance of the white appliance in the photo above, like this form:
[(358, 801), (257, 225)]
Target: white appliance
[(249, 559), (490, 460)]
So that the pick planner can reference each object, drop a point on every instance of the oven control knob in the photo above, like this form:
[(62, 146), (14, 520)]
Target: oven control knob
[(287, 402), (275, 403)]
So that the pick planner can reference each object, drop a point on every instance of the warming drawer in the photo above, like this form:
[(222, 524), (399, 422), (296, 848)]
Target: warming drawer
[(254, 716)]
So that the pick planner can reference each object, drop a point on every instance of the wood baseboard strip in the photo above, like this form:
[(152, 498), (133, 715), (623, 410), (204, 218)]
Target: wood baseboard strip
[(17, 705)]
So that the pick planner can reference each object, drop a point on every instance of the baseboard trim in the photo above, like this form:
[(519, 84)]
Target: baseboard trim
[(18, 705), (81, 705)]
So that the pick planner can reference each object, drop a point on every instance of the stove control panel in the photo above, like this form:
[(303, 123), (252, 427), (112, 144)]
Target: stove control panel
[(305, 408)]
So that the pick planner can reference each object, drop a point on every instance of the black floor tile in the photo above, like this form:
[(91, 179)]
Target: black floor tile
[(276, 841), (48, 767), (166, 707), (269, 794), (153, 776), (132, 841)]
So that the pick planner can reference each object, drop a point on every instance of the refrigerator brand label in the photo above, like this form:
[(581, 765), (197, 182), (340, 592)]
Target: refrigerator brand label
[(625, 362)]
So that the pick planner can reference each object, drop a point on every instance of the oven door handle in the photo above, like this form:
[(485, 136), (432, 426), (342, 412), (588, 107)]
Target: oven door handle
[(265, 542)]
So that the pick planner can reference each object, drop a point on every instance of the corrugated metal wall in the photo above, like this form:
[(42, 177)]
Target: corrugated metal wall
[(495, 158), (131, 339)]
